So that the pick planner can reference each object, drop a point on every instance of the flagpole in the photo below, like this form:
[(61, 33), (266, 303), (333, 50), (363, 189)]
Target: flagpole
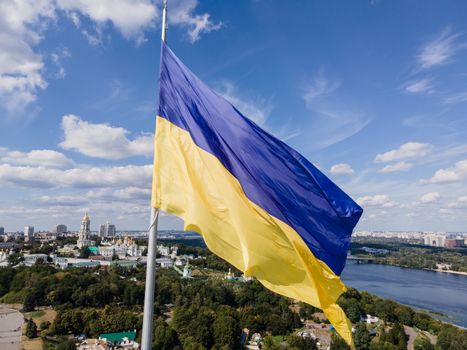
[(146, 338)]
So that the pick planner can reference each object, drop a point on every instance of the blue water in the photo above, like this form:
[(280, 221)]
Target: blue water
[(434, 291)]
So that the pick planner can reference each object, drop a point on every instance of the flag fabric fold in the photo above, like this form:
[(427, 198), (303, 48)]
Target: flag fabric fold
[(258, 203)]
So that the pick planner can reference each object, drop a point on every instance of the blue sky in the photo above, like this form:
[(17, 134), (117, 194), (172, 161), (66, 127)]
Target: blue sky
[(372, 92)]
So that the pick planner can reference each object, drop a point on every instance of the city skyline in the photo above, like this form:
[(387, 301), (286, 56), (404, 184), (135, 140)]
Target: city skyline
[(372, 93)]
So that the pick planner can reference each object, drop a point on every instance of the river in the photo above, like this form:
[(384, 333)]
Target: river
[(434, 291)]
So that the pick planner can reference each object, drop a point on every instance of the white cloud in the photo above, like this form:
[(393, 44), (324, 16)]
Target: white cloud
[(446, 211), (440, 50), (62, 200), (459, 203), (379, 200), (257, 110), (454, 174), (331, 126), (83, 177), (131, 194), (20, 67), (181, 13), (45, 158), (341, 169), (130, 17), (422, 86), (57, 57), (320, 86), (127, 193), (102, 140), (408, 150), (331, 122), (430, 197), (94, 37), (23, 24), (399, 166), (456, 98)]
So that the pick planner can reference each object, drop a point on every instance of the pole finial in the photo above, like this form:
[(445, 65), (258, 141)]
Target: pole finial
[(164, 22)]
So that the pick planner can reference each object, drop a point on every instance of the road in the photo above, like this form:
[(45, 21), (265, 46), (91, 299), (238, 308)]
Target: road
[(10, 329)]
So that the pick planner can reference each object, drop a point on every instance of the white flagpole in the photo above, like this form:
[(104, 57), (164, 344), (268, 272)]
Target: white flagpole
[(146, 338)]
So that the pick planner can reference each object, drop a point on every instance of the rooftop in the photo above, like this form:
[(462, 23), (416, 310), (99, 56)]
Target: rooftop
[(118, 337)]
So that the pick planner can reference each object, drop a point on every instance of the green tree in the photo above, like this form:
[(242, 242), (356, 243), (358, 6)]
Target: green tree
[(14, 259), (352, 310), (421, 321), (29, 302), (165, 338), (451, 338), (31, 329), (337, 343), (194, 323), (202, 327), (268, 342), (6, 276), (44, 325), (133, 294), (84, 253), (385, 309), (301, 343), (395, 336), (277, 325), (382, 345), (405, 315), (423, 343), (68, 321), (66, 345), (227, 331), (361, 337), (306, 310)]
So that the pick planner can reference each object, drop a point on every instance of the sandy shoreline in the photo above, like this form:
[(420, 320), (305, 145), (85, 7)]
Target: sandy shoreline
[(449, 271), (10, 328)]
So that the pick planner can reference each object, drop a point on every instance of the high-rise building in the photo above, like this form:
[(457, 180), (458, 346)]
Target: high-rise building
[(107, 230), (28, 233), (60, 229), (84, 235), (435, 240), (2, 230)]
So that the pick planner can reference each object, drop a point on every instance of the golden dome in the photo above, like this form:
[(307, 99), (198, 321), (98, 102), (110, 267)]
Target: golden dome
[(86, 217)]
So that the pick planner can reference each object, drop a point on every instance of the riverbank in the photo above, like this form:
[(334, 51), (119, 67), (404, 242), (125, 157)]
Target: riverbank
[(448, 271), (385, 262), (442, 293), (11, 322)]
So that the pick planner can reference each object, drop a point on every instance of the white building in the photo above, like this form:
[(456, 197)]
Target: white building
[(28, 233), (164, 262), (107, 252), (163, 250), (370, 319), (45, 237), (84, 235), (3, 258), (436, 240), (69, 249), (31, 259), (107, 230), (123, 248)]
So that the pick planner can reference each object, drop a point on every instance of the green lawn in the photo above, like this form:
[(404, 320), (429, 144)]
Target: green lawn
[(37, 314)]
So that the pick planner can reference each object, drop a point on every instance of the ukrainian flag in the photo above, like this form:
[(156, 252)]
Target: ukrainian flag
[(258, 203)]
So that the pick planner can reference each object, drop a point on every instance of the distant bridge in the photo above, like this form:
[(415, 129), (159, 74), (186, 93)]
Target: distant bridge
[(362, 260)]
